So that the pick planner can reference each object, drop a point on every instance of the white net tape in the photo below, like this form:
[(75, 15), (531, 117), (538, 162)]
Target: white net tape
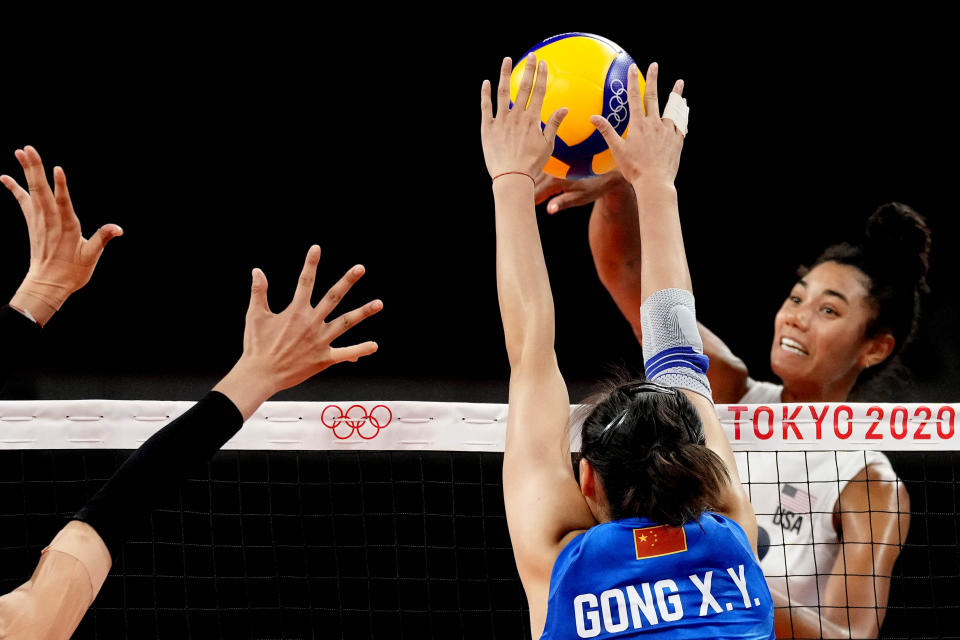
[(453, 426)]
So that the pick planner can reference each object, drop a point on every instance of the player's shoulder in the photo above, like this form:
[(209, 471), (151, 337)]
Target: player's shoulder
[(759, 392), (876, 486)]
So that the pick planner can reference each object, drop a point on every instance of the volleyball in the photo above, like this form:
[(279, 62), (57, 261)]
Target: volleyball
[(587, 74)]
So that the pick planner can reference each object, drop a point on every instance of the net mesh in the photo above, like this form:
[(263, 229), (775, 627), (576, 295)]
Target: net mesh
[(287, 545), (383, 544)]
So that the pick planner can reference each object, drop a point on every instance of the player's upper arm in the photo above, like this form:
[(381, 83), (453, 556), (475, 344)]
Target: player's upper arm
[(542, 497)]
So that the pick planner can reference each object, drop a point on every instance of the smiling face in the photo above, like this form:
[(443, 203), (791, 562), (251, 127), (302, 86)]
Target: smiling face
[(820, 344)]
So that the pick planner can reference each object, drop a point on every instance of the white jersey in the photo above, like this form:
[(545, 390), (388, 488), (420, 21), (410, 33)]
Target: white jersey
[(794, 494)]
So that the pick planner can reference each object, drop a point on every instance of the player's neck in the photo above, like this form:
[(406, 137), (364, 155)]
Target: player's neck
[(837, 392)]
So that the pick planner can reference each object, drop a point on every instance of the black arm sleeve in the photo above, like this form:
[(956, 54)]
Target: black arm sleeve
[(18, 336), (159, 465)]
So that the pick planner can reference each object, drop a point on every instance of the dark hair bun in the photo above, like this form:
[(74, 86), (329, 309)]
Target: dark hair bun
[(898, 243)]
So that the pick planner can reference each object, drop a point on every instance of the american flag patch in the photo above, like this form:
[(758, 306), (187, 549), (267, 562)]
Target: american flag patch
[(795, 499)]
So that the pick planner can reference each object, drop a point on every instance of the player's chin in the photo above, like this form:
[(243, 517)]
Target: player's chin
[(789, 367)]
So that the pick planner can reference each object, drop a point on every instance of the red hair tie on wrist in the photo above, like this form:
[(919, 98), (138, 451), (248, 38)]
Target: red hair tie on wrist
[(506, 173)]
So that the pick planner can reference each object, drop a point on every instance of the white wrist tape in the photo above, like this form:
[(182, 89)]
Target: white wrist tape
[(678, 111)]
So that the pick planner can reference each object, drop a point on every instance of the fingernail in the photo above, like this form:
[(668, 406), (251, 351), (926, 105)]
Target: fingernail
[(552, 208), (357, 270), (377, 305)]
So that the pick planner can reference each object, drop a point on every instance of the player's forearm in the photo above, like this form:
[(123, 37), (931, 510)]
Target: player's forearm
[(160, 463), (614, 234), (664, 264), (526, 302), (803, 622)]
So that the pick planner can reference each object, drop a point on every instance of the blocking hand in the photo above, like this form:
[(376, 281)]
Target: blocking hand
[(281, 350), (61, 260), (513, 140), (653, 145)]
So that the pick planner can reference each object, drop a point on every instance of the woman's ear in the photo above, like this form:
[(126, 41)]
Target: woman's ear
[(877, 349), (588, 479)]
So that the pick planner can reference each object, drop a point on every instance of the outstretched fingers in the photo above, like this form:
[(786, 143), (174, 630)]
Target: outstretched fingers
[(98, 241), (353, 353), (486, 105), (307, 277), (258, 293), (339, 326), (539, 88), (335, 294), (62, 196), (36, 178), (650, 98), (526, 81), (550, 131), (503, 87), (613, 139), (21, 194)]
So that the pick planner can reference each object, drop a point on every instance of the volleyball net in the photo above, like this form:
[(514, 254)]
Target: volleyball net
[(386, 519)]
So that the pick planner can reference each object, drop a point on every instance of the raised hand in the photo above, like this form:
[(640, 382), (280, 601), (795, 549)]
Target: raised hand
[(61, 260), (653, 145), (284, 349), (513, 140)]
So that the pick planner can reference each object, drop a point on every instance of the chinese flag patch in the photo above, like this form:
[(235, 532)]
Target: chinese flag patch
[(662, 540)]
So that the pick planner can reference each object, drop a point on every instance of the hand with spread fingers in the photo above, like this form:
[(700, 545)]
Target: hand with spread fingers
[(653, 145), (61, 259), (513, 141), (284, 349), (567, 194)]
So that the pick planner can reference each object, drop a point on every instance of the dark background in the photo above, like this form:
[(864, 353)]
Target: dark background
[(226, 143)]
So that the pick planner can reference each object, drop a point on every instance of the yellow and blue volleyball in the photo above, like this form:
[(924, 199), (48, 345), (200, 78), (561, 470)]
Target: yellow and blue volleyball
[(586, 74)]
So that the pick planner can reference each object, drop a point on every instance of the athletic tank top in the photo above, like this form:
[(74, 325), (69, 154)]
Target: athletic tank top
[(633, 578), (794, 494)]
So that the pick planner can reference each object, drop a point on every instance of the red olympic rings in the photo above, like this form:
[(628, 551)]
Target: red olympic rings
[(356, 418)]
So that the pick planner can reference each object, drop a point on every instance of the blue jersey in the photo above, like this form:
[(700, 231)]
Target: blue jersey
[(633, 578)]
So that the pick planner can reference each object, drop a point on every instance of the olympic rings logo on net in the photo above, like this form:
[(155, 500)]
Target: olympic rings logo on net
[(618, 104), (356, 420)]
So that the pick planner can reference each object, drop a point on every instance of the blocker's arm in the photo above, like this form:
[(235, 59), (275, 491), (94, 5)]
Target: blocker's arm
[(279, 351), (543, 500), (649, 158)]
